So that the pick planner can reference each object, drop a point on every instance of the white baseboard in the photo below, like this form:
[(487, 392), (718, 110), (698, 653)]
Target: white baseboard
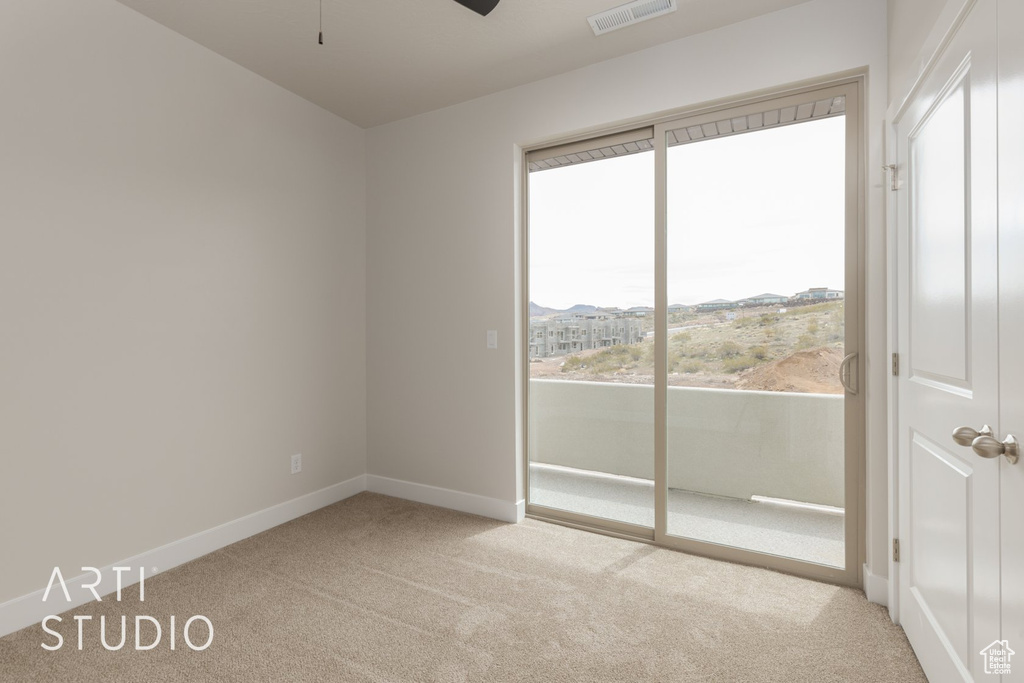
[(876, 587), (30, 609), (494, 508)]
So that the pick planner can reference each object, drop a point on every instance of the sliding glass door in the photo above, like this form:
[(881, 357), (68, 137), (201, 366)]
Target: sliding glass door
[(723, 415), (591, 331), (756, 242)]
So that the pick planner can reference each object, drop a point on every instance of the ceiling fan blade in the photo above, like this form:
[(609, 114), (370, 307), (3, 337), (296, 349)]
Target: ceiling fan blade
[(482, 7)]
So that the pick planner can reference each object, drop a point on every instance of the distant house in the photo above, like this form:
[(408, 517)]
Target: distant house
[(765, 300), (679, 308), (819, 293), (581, 332), (639, 311), (717, 304)]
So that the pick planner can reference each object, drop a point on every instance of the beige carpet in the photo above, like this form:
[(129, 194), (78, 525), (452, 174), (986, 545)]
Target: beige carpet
[(379, 589)]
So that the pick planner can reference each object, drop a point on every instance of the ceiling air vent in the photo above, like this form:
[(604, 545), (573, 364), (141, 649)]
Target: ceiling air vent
[(629, 14)]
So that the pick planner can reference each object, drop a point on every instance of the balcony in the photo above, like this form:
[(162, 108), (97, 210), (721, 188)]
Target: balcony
[(753, 469)]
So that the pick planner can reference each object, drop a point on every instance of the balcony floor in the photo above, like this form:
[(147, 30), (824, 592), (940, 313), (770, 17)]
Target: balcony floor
[(804, 534)]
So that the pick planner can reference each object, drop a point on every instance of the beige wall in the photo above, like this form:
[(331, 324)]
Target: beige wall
[(442, 209), (182, 290), (186, 299)]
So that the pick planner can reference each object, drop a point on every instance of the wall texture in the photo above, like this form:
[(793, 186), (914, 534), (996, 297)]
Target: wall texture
[(182, 290), (442, 238)]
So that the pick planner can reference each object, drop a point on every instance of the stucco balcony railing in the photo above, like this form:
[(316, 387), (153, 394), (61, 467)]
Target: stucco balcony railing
[(721, 442)]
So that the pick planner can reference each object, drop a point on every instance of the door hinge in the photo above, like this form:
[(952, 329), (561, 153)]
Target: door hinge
[(894, 176), (895, 550), (896, 364)]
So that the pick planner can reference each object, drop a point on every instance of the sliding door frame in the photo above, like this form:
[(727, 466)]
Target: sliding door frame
[(854, 340), (852, 87)]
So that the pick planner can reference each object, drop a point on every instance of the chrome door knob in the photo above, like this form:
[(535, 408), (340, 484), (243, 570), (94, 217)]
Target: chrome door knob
[(990, 447), (965, 436)]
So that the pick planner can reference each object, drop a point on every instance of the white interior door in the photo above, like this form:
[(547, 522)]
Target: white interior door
[(1011, 321), (949, 573)]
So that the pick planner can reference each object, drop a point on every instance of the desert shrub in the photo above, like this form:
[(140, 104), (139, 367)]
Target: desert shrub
[(737, 363), (573, 363), (729, 349), (813, 308), (692, 366), (758, 352), (812, 327), (601, 363), (700, 352), (619, 357), (611, 359), (806, 341)]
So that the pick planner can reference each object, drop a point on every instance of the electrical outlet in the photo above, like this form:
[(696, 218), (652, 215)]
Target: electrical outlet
[(492, 339), (296, 463)]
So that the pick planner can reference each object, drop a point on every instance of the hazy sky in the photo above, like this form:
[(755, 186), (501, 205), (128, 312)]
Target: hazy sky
[(747, 214)]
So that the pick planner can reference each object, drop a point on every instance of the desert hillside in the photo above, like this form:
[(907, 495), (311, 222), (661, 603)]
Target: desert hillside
[(767, 348)]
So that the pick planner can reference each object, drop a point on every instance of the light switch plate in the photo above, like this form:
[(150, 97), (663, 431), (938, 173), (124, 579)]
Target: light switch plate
[(492, 339)]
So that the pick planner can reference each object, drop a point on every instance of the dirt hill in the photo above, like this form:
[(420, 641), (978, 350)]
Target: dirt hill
[(814, 371)]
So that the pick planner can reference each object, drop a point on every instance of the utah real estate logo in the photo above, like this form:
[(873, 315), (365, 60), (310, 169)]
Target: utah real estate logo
[(997, 657)]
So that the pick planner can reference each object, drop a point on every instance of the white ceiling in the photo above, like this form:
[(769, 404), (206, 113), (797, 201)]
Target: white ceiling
[(384, 60)]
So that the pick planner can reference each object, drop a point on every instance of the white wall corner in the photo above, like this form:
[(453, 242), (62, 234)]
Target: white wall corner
[(876, 587), (30, 609), (502, 510)]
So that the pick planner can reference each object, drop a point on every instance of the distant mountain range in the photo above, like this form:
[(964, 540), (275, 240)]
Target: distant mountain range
[(536, 310)]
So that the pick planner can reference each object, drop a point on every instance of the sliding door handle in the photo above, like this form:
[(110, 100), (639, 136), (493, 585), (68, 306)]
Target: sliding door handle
[(845, 375)]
